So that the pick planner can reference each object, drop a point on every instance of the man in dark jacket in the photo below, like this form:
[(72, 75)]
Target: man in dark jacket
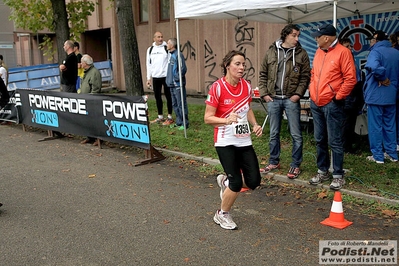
[(69, 69), (4, 98), (4, 95), (69, 74), (177, 89), (283, 80), (353, 105)]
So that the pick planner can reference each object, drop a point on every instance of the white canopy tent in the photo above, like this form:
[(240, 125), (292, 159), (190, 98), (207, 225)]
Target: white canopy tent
[(279, 11), (276, 11)]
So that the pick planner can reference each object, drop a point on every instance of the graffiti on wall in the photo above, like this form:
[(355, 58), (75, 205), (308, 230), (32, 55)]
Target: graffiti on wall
[(244, 37), (188, 51), (210, 65)]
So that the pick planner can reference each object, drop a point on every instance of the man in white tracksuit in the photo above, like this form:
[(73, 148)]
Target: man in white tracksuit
[(157, 66)]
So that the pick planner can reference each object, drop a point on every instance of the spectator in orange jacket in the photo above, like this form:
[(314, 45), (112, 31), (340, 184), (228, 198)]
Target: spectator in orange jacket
[(333, 77)]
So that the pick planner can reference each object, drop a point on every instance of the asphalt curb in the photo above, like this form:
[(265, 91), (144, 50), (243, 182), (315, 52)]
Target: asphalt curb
[(284, 179)]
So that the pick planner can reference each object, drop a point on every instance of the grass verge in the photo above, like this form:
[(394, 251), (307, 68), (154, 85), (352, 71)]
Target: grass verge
[(363, 176)]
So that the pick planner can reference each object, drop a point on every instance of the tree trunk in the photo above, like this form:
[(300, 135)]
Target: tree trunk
[(129, 47), (61, 27)]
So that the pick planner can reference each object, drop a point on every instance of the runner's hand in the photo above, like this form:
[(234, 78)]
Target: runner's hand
[(232, 117), (257, 129)]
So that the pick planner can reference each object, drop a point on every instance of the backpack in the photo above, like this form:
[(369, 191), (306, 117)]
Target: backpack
[(149, 52)]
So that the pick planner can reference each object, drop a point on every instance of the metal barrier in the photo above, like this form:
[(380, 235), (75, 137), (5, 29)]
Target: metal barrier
[(47, 77)]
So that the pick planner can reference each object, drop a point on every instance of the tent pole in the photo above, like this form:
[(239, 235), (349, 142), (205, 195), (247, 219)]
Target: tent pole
[(335, 14), (180, 77)]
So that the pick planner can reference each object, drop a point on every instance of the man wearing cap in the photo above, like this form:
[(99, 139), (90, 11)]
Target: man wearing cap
[(380, 95), (333, 77)]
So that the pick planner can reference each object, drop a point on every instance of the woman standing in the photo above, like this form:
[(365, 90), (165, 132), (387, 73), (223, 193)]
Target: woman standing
[(228, 110)]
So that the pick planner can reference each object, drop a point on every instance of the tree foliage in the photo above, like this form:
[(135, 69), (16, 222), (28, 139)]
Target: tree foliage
[(38, 16), (78, 11)]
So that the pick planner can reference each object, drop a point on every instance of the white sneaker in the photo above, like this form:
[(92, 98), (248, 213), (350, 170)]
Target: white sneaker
[(371, 158), (337, 183), (220, 179), (389, 157), (224, 220)]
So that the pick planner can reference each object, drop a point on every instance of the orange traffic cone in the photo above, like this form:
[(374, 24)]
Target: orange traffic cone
[(244, 188), (336, 218)]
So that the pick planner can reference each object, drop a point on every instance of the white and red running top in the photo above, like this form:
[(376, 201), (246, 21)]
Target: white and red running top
[(225, 97)]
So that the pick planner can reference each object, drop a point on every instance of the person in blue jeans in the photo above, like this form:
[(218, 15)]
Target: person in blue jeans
[(283, 80), (330, 84), (177, 89)]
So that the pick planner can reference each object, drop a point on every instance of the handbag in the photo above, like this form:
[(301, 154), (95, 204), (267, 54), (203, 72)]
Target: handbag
[(361, 127)]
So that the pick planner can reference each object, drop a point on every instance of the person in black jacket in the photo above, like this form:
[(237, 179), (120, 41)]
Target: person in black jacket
[(353, 105), (4, 97)]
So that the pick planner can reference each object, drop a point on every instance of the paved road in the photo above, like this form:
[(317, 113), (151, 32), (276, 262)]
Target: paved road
[(72, 204)]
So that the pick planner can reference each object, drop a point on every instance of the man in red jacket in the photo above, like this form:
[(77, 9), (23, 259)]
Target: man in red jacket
[(333, 77)]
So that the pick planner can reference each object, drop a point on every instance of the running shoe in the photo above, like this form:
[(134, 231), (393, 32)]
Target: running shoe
[(157, 121), (168, 122), (293, 172), (224, 220), (371, 158), (319, 178), (337, 183), (269, 168), (389, 157)]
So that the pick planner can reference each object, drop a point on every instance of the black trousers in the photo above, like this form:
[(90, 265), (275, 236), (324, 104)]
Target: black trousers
[(157, 84)]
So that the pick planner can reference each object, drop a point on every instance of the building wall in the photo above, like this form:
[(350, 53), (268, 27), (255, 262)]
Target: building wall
[(7, 47), (203, 43)]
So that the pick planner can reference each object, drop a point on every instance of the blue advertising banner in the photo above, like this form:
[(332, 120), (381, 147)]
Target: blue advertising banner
[(357, 28), (114, 118)]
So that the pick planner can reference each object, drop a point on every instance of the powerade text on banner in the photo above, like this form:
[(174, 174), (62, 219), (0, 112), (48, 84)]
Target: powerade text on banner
[(120, 119)]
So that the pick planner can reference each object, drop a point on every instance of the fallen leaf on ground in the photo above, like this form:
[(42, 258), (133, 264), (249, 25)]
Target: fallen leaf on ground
[(390, 213), (322, 195)]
